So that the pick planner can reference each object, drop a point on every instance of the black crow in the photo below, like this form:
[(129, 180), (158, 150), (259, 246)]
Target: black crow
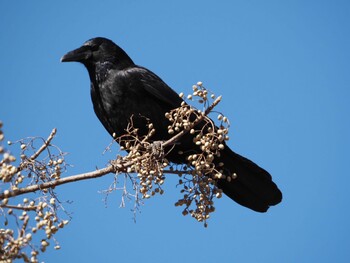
[(121, 90)]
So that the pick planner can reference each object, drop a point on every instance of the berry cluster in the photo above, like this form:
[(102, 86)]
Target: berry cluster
[(34, 216), (198, 177)]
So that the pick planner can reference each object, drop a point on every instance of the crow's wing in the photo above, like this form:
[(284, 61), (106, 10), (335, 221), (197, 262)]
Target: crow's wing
[(154, 86)]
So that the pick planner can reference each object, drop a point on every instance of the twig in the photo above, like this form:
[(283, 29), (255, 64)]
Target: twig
[(118, 166), (51, 184), (45, 145), (24, 208)]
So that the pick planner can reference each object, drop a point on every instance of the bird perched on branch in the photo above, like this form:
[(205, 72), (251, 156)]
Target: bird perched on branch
[(121, 90)]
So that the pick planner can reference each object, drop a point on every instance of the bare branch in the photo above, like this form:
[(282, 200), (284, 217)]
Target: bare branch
[(45, 144), (24, 208), (51, 184)]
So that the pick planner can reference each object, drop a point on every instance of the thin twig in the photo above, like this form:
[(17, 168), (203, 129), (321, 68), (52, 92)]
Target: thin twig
[(45, 145), (24, 208), (51, 184)]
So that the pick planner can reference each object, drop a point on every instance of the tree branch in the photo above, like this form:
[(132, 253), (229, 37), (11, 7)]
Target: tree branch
[(45, 145), (69, 179)]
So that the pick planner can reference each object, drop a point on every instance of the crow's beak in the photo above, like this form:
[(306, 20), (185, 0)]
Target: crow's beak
[(79, 55)]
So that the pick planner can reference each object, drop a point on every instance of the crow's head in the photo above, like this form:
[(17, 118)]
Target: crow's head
[(98, 50)]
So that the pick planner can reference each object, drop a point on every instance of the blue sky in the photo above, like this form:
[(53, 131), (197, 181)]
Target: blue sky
[(283, 70)]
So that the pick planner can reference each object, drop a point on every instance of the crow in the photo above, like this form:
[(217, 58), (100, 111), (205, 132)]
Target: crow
[(121, 90)]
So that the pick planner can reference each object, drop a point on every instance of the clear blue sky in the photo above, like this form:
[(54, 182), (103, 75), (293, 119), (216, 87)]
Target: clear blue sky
[(283, 68)]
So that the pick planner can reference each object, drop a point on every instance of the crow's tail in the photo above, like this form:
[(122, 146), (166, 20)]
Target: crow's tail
[(253, 187)]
